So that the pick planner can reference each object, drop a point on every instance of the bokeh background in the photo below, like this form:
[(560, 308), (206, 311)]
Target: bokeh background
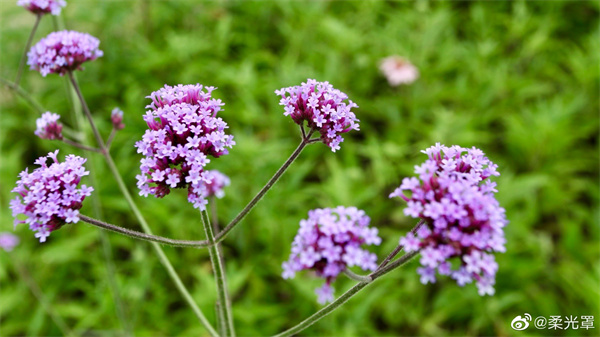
[(519, 80)]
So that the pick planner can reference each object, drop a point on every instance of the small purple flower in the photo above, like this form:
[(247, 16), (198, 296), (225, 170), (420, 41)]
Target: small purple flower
[(323, 108), (183, 131), (218, 181), (48, 196), (41, 7), (329, 242), (63, 51), (463, 219), (8, 241), (116, 118), (48, 126)]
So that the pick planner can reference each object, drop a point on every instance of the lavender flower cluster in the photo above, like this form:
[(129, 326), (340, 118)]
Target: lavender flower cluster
[(48, 126), (183, 131), (63, 51), (43, 6), (463, 219), (322, 107), (330, 241), (48, 196)]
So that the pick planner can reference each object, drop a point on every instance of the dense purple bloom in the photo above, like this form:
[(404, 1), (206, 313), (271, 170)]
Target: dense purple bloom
[(48, 196), (183, 131), (116, 118), (463, 219), (218, 181), (63, 51), (48, 126), (42, 6), (330, 241), (322, 107), (8, 241)]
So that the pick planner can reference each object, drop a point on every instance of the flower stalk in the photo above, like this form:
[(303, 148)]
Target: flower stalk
[(305, 141), (224, 308), (38, 18), (346, 296)]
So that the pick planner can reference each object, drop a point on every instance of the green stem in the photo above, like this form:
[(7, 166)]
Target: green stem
[(79, 146), (143, 236), (356, 277), (87, 112), (38, 18), (224, 312), (305, 141), (346, 296), (24, 95)]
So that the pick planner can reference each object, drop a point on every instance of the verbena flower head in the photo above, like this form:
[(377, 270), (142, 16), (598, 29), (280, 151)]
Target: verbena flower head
[(48, 196), (330, 241), (116, 118), (8, 241), (323, 108), (48, 126), (184, 131), (43, 6), (63, 51), (463, 220), (218, 182), (398, 70)]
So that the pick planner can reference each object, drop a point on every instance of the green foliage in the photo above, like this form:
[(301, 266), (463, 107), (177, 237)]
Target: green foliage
[(518, 80)]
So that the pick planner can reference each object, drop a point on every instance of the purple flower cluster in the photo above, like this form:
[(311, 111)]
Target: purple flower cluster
[(48, 196), (48, 126), (42, 6), (8, 241), (63, 51), (183, 131), (322, 107), (463, 219), (116, 118), (328, 242), (218, 181)]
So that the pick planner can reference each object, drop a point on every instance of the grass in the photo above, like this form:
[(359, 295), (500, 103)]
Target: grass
[(519, 80)]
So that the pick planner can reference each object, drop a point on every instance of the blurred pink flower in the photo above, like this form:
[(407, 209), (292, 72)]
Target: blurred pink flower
[(398, 70)]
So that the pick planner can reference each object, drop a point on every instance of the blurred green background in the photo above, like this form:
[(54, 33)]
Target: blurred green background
[(518, 80)]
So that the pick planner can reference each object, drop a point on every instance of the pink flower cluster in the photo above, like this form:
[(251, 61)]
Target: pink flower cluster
[(183, 131), (398, 70), (63, 51), (48, 196), (48, 126), (43, 6), (322, 107), (463, 219), (330, 241)]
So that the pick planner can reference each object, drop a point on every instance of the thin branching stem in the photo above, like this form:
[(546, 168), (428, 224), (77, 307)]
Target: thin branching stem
[(356, 277), (110, 138), (24, 95), (38, 18), (224, 309), (266, 188), (346, 296), (80, 146), (142, 236)]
